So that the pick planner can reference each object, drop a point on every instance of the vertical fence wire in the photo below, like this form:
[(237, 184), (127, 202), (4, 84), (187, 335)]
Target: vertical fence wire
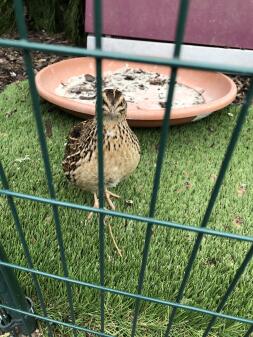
[(230, 289), (228, 155), (12, 294), (249, 332), (19, 13), (181, 22), (27, 253), (99, 116)]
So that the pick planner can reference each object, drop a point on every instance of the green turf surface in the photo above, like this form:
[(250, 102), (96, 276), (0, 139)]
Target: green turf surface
[(191, 164)]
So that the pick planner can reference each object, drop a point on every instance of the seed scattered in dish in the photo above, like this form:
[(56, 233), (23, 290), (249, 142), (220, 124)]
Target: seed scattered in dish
[(147, 90), (89, 78)]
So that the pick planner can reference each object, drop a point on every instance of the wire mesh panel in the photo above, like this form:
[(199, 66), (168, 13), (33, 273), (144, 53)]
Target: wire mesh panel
[(200, 232)]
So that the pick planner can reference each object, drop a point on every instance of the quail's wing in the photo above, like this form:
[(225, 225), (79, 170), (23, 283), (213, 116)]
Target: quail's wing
[(81, 143)]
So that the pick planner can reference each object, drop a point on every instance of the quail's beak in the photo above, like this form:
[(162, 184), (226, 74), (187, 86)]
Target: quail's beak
[(109, 115), (113, 113)]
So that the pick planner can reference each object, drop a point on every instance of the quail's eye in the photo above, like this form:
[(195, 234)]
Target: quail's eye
[(76, 133)]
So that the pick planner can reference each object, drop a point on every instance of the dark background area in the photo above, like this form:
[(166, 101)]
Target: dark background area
[(52, 16)]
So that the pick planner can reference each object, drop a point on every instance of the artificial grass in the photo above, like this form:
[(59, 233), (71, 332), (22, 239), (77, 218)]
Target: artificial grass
[(191, 164)]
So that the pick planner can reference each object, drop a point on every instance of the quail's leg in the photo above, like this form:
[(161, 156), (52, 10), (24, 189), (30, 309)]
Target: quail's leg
[(95, 205), (108, 196)]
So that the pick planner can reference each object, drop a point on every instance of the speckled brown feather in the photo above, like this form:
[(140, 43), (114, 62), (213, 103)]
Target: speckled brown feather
[(80, 145), (120, 148)]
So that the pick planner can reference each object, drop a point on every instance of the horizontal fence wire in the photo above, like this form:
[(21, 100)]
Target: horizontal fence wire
[(181, 20), (215, 192), (20, 20), (97, 53), (74, 327), (131, 295), (26, 250), (137, 218)]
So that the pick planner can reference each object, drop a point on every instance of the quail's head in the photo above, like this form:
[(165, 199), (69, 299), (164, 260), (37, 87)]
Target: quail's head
[(114, 105)]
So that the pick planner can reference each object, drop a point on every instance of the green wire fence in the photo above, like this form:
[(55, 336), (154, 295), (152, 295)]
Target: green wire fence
[(15, 309)]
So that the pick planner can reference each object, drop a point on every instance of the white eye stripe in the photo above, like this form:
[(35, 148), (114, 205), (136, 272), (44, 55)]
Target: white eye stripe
[(110, 101), (106, 109), (106, 100), (121, 102)]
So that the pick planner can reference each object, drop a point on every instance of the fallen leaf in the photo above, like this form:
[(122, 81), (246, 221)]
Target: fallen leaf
[(238, 220), (10, 112), (241, 190), (188, 184), (129, 202), (211, 262), (20, 160), (48, 128), (42, 60)]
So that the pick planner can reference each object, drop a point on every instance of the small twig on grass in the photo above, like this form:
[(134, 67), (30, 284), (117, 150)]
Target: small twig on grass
[(114, 241)]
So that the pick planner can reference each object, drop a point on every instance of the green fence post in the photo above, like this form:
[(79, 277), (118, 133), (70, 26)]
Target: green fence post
[(12, 295)]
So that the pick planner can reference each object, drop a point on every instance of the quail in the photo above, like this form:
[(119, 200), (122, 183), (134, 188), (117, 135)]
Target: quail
[(121, 149)]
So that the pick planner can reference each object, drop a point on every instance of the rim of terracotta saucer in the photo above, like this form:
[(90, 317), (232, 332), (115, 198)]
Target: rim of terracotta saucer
[(219, 89)]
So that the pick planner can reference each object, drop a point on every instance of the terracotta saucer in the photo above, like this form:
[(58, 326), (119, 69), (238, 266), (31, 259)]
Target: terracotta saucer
[(218, 91)]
